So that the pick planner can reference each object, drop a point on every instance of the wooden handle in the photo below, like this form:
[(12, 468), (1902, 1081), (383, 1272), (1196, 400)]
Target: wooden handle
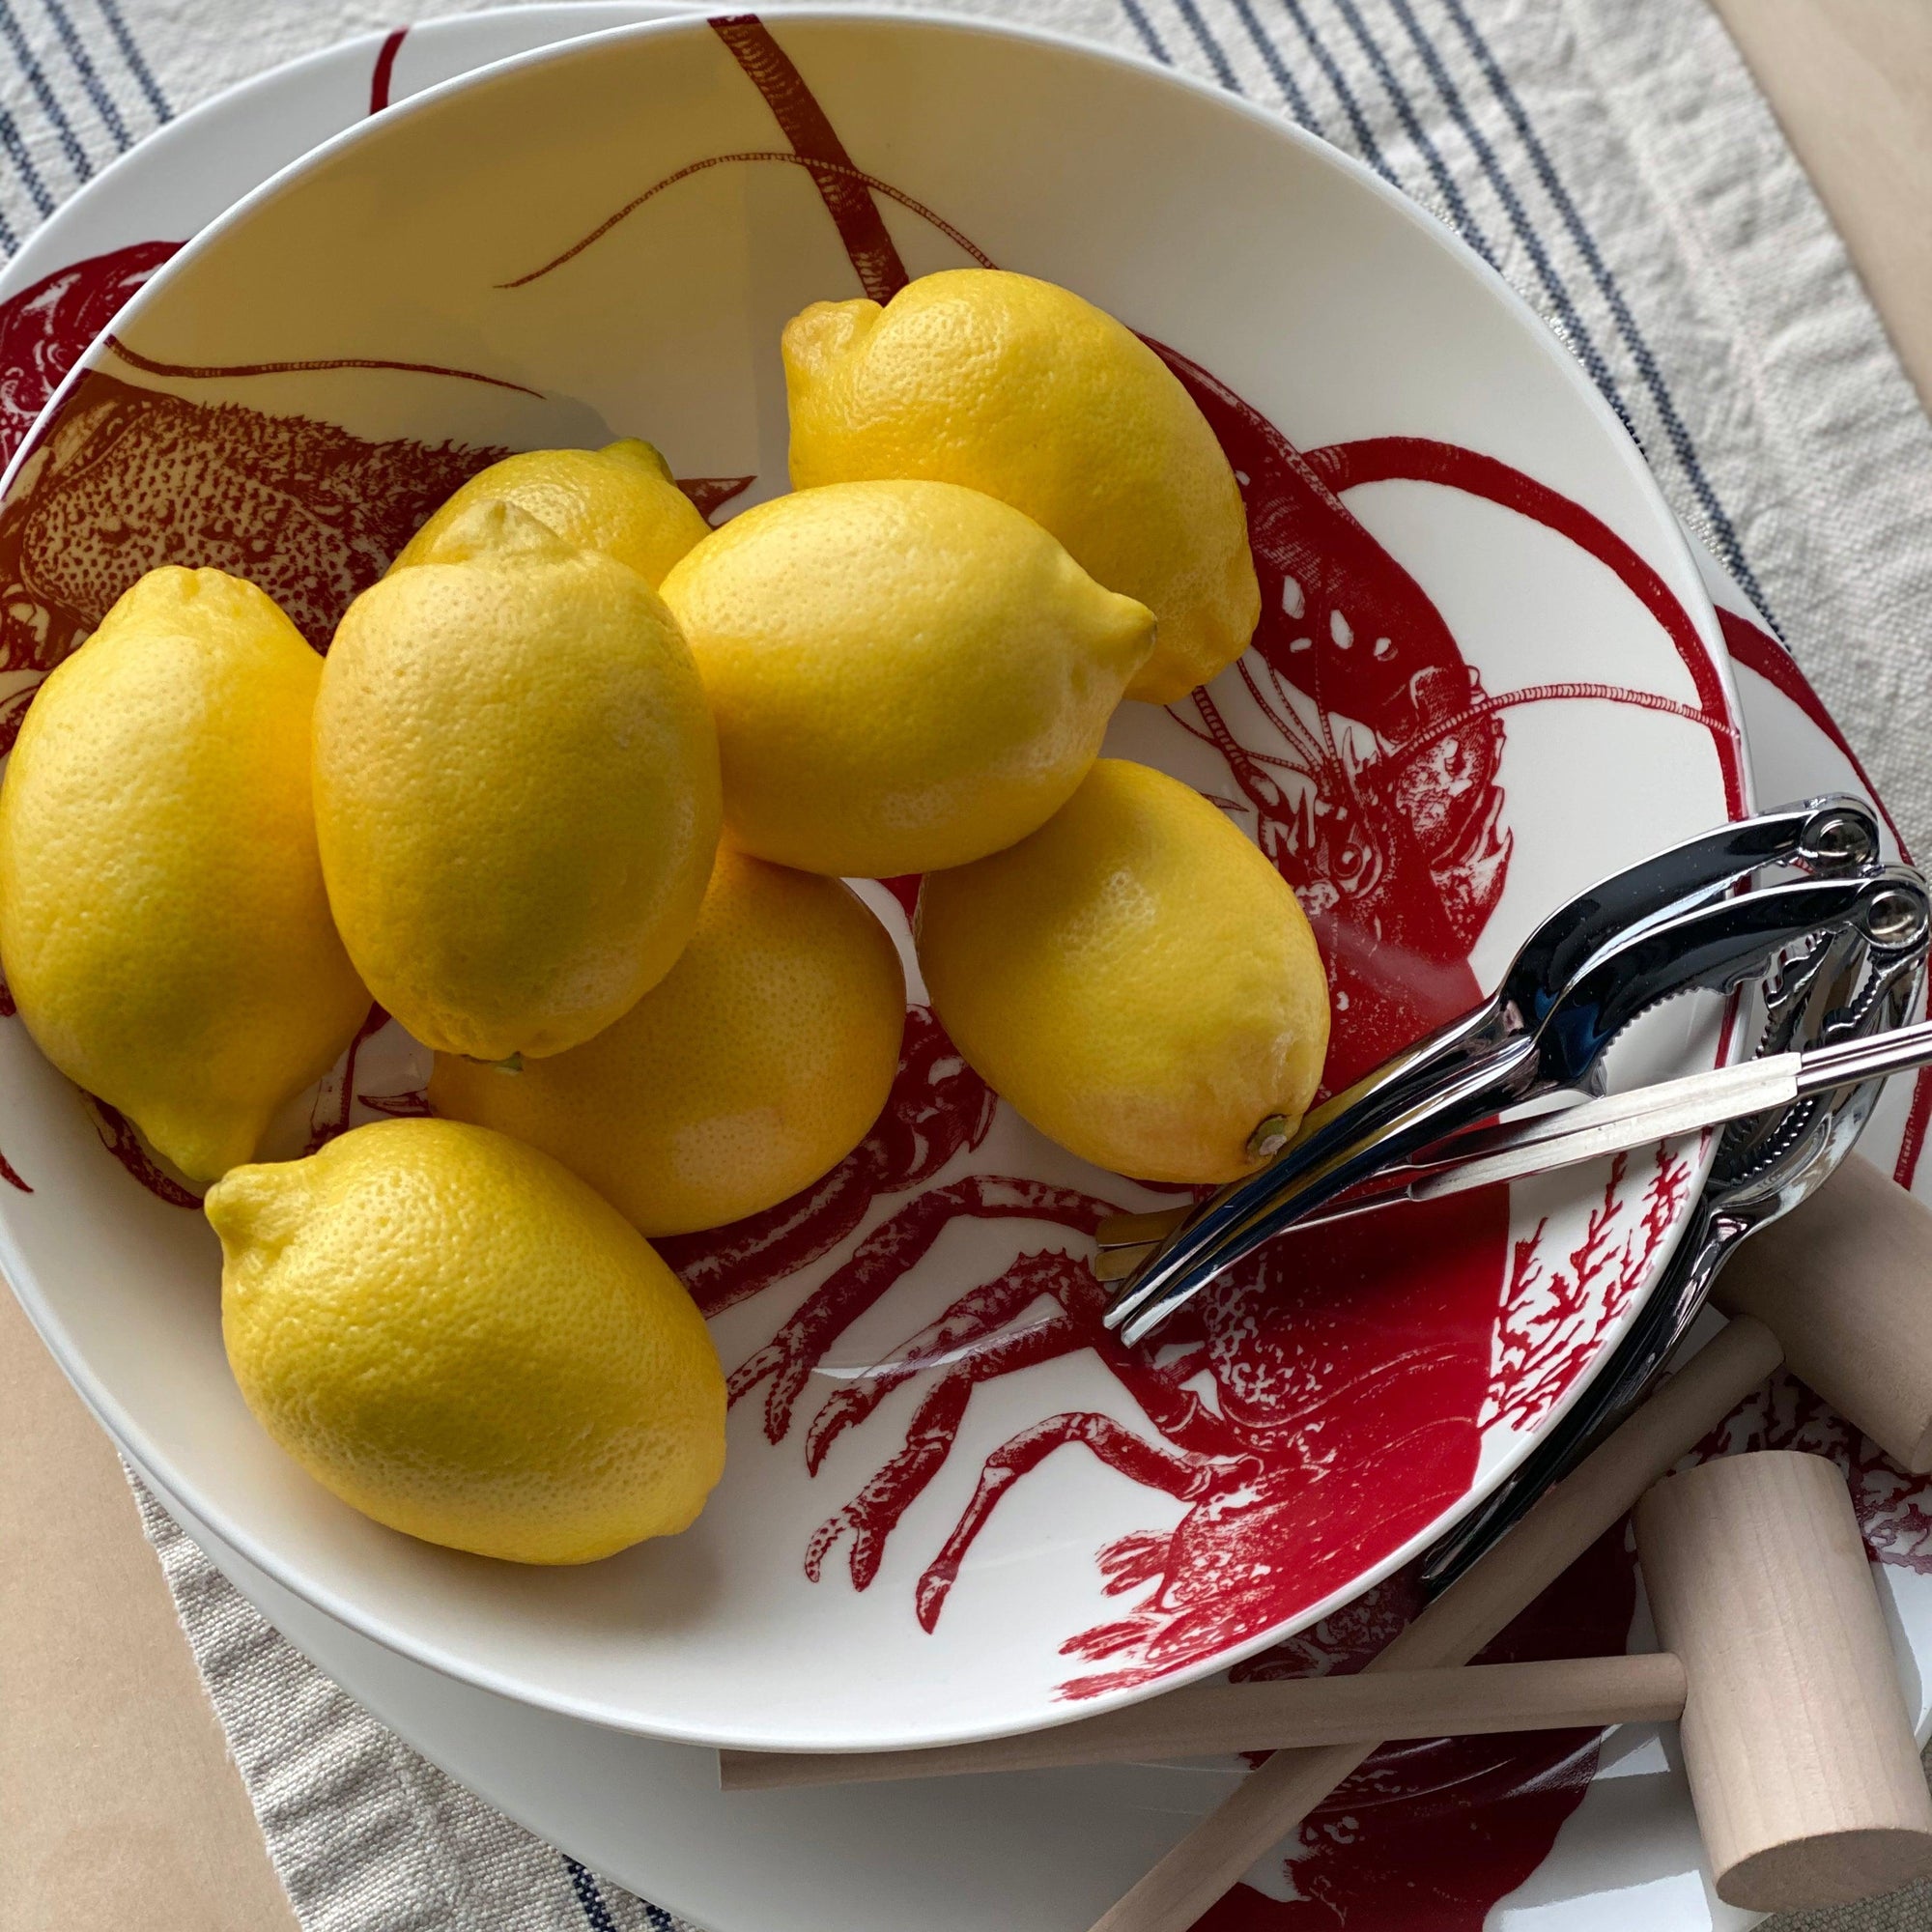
[(1799, 1753), (1213, 1719), (1845, 1283), (1271, 1802)]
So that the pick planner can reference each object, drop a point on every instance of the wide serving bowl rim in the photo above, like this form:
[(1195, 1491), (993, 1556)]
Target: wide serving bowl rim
[(124, 1426)]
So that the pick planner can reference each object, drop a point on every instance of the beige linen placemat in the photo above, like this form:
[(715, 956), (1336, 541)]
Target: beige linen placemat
[(1616, 161)]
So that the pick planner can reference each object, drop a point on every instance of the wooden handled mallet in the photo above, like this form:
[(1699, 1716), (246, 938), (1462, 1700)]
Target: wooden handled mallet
[(1794, 1735)]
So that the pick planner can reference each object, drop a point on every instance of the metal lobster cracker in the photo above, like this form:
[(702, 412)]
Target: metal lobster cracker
[(1664, 927), (1850, 985)]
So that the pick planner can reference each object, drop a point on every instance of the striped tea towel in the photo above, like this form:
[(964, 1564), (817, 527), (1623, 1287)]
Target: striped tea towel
[(1612, 159)]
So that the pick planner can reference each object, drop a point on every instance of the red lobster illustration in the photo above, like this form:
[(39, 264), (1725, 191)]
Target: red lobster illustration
[(1323, 1406), (1426, 1836), (129, 478), (1375, 793)]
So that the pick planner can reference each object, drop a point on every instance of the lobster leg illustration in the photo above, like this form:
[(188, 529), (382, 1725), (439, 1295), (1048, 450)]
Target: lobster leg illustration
[(938, 1108), (872, 1516), (336, 1099), (1249, 1460), (968, 1331), (966, 1339), (886, 1253), (1182, 1473)]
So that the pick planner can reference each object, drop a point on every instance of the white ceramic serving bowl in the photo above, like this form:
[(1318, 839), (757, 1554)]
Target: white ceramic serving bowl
[(1491, 677)]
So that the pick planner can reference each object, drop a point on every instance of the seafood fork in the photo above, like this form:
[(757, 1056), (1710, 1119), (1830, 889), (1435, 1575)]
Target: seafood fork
[(1661, 927)]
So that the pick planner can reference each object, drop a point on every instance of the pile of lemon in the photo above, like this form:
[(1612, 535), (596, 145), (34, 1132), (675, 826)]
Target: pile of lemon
[(572, 796)]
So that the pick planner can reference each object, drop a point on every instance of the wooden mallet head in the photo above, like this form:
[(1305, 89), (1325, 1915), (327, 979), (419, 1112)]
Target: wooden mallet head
[(1794, 1731), (1845, 1284)]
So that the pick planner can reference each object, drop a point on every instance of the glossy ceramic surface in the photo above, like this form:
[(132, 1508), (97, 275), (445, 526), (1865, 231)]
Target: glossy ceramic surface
[(1487, 673)]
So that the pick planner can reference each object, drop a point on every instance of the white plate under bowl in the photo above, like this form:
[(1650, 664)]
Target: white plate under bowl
[(1487, 673)]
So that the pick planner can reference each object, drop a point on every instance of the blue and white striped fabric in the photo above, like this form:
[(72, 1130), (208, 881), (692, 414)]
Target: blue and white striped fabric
[(366, 1835), (78, 92), (1611, 158)]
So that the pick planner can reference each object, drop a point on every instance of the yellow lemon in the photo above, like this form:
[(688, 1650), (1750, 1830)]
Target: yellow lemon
[(619, 500), (460, 1338), (515, 789), (754, 1066), (162, 918), (1135, 979), (1019, 389), (904, 675)]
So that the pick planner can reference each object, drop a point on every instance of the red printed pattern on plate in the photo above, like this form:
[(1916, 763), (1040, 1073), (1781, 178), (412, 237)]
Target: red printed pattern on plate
[(1387, 819)]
